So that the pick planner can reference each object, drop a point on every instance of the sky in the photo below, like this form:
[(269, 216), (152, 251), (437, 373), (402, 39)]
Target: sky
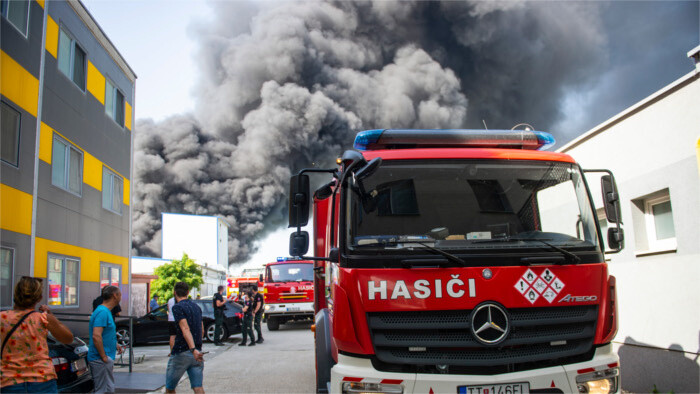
[(589, 60)]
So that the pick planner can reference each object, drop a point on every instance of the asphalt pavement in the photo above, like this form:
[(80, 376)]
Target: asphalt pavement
[(284, 363)]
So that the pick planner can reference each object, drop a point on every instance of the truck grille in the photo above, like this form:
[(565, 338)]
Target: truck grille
[(430, 338)]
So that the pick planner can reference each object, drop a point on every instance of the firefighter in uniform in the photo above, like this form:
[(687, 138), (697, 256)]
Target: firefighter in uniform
[(258, 304), (219, 306), (248, 320)]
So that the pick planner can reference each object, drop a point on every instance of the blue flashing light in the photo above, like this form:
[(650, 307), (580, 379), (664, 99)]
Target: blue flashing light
[(366, 138), (281, 259), (545, 139)]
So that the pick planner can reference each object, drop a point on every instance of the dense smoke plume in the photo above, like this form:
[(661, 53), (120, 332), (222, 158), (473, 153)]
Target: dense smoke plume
[(287, 85)]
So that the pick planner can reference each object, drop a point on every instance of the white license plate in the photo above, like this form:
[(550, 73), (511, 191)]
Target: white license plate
[(78, 365), (293, 309), (508, 388)]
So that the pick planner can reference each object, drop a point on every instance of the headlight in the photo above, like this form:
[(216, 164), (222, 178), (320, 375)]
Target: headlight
[(599, 382), (267, 307), (359, 387)]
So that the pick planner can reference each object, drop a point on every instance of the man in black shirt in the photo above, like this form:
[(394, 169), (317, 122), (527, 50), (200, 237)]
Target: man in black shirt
[(219, 306), (248, 320), (186, 355), (258, 303)]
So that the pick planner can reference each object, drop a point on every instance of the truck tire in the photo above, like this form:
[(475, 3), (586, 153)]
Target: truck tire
[(273, 324), (324, 359)]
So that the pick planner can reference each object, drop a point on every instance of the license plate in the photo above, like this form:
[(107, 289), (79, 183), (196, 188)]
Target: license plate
[(293, 309), (78, 365), (509, 388)]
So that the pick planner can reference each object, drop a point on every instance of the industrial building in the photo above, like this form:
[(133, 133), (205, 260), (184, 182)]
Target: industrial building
[(653, 149), (67, 99)]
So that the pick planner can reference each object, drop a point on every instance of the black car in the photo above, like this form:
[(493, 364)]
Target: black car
[(71, 365), (153, 327)]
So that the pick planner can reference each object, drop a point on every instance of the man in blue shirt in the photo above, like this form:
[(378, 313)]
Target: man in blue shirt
[(186, 354), (103, 341), (154, 302)]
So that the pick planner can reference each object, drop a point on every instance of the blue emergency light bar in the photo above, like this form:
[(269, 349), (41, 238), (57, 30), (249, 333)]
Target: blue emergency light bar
[(280, 259), (452, 138)]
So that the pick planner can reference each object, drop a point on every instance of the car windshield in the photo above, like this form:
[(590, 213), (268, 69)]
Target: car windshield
[(470, 205), (290, 272)]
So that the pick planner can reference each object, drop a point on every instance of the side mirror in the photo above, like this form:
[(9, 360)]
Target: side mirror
[(298, 243), (324, 191), (261, 279), (611, 199), (616, 238), (299, 200), (369, 169)]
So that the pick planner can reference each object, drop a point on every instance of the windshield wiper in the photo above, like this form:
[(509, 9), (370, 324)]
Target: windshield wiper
[(568, 255), (449, 256), (565, 252)]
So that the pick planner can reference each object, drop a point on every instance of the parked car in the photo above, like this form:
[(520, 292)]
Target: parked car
[(153, 327), (71, 365)]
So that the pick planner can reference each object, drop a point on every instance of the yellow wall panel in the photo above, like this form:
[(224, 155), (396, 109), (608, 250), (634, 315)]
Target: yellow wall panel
[(89, 259), (15, 210), (45, 143), (92, 171), (41, 3), (127, 115), (52, 37), (96, 82), (126, 191), (18, 84)]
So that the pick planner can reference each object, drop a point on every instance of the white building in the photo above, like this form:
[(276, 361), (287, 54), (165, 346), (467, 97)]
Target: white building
[(203, 238), (653, 149)]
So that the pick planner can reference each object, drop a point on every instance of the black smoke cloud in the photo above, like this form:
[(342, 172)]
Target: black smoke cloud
[(287, 85)]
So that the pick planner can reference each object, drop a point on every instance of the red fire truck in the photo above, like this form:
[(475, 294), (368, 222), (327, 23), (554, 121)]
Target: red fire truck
[(289, 291), (462, 261), (244, 282)]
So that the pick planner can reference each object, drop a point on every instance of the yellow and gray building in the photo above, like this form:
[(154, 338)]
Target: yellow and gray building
[(67, 120)]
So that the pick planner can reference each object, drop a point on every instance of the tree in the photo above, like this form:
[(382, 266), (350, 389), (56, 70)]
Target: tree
[(183, 270)]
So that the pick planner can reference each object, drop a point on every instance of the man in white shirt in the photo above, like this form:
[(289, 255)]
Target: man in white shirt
[(172, 327)]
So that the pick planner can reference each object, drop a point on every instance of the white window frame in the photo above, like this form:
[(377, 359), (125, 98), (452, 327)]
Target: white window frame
[(66, 169), (111, 86), (12, 275), (64, 260), (71, 60), (107, 172), (19, 134), (6, 11), (653, 243)]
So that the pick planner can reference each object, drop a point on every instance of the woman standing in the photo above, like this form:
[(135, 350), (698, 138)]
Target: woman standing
[(26, 366)]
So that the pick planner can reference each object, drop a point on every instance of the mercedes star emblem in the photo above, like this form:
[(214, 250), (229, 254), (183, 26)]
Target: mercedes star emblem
[(490, 323)]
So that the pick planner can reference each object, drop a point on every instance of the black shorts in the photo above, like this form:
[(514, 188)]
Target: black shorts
[(172, 328)]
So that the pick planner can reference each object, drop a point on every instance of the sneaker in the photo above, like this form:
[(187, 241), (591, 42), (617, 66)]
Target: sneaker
[(260, 340), (251, 344)]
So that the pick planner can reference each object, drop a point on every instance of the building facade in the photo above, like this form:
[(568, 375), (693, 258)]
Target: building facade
[(653, 149), (67, 99)]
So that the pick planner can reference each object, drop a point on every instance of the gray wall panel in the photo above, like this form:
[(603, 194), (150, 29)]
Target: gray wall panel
[(21, 243), (21, 177), (24, 50)]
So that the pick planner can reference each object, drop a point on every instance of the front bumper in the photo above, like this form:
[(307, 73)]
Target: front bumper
[(289, 309), (549, 379)]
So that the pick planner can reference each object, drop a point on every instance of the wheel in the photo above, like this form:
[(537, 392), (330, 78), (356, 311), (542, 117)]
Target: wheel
[(273, 324), (211, 328), (123, 336)]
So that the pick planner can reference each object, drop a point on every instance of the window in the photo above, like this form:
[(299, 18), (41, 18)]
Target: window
[(109, 275), (71, 59), (9, 119), (112, 190), (659, 220), (66, 166), (652, 217), (114, 103), (7, 259), (17, 13), (63, 281)]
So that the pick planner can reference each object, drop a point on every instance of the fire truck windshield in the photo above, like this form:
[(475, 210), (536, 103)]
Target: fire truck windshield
[(470, 204), (290, 273)]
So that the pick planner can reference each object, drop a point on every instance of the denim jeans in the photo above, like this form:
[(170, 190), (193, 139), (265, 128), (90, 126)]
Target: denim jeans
[(32, 387), (180, 363)]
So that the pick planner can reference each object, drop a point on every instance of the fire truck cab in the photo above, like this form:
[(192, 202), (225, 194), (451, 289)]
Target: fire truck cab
[(462, 261), (289, 291)]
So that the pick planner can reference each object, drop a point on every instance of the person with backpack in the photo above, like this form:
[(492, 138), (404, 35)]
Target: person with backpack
[(26, 366)]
